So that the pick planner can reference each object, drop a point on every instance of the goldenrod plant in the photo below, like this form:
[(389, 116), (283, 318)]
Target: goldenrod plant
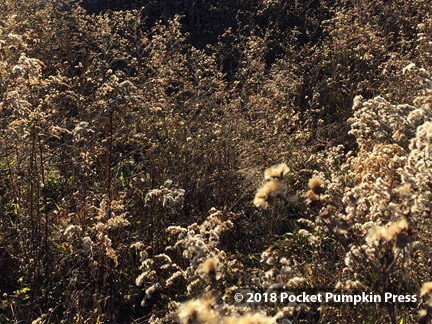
[(157, 157)]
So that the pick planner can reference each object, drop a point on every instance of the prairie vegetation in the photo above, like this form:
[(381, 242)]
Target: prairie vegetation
[(156, 157)]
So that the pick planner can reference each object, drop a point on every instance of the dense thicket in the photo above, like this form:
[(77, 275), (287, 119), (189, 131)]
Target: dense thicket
[(123, 123)]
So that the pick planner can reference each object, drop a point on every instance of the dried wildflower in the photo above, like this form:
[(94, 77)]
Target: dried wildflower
[(140, 279), (349, 284), (56, 131), (198, 311), (17, 69), (272, 188), (408, 68), (111, 253), (271, 260), (399, 230), (405, 190), (167, 195), (315, 185), (149, 294), (14, 37), (296, 281), (193, 285), (311, 198), (176, 230), (175, 277), (211, 268), (276, 172), (312, 239), (284, 261), (165, 258), (304, 232), (118, 222), (72, 229), (151, 290), (149, 275), (426, 289), (87, 245), (137, 246), (154, 320), (422, 312), (81, 131), (269, 275), (267, 253)]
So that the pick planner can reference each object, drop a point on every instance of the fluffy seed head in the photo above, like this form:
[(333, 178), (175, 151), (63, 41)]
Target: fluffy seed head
[(426, 288), (277, 171), (271, 188), (198, 311), (211, 268), (311, 197), (399, 230), (315, 185)]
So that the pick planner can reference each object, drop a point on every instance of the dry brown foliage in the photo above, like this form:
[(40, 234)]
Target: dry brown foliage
[(133, 142)]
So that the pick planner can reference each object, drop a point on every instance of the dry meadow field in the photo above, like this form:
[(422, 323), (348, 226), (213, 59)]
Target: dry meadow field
[(159, 157)]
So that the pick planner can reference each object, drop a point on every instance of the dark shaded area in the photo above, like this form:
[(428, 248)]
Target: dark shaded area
[(203, 20), (206, 21)]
